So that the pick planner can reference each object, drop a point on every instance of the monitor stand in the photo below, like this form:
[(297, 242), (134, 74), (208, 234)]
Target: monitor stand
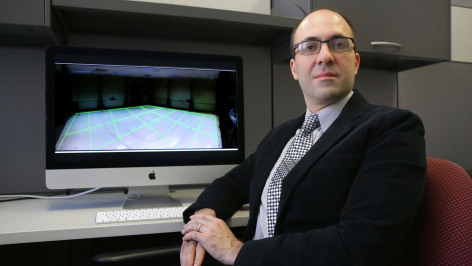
[(149, 197)]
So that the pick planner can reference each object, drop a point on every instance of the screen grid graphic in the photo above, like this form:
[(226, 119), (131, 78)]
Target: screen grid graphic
[(140, 128)]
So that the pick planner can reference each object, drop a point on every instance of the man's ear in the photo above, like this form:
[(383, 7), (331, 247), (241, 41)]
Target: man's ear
[(293, 68), (358, 61)]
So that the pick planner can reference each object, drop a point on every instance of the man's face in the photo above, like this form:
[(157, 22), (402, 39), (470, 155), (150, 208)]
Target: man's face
[(325, 77)]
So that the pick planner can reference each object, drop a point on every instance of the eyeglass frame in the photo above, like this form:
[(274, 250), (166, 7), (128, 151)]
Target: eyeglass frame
[(295, 47)]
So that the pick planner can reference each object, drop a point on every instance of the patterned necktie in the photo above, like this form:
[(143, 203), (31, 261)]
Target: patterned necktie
[(300, 145)]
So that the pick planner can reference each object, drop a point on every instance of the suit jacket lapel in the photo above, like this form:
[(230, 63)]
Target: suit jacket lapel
[(271, 157), (355, 107)]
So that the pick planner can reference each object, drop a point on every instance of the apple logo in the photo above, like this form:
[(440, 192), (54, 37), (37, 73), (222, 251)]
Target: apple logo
[(152, 175)]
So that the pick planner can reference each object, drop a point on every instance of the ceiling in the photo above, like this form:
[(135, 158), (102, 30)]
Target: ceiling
[(462, 3)]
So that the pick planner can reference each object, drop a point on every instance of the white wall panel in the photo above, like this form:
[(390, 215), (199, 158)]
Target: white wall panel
[(461, 34)]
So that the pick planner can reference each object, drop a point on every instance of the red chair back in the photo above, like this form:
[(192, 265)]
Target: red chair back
[(442, 231)]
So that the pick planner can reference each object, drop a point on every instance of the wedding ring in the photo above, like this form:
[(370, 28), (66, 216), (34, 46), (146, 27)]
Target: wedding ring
[(198, 227)]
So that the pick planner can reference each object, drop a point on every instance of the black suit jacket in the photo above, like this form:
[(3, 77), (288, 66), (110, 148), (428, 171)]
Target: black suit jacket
[(349, 201)]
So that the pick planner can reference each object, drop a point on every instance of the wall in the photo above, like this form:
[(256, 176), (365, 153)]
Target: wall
[(461, 34), (22, 118), (22, 105), (441, 95), (252, 6)]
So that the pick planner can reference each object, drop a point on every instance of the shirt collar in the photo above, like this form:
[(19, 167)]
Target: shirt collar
[(328, 114)]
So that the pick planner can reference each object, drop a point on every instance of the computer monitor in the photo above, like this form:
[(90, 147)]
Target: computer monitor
[(121, 118)]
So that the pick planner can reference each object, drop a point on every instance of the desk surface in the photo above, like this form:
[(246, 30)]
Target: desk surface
[(36, 220)]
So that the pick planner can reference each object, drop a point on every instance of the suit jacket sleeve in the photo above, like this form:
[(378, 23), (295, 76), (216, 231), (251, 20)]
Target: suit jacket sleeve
[(227, 194)]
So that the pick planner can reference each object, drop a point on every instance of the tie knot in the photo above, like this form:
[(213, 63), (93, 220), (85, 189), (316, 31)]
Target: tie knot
[(311, 123)]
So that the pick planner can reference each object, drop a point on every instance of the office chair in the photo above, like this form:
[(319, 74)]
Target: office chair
[(442, 231)]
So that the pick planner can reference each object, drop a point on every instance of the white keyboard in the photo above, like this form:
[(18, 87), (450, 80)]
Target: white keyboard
[(139, 215)]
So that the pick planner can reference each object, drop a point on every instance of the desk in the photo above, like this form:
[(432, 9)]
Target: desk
[(36, 220)]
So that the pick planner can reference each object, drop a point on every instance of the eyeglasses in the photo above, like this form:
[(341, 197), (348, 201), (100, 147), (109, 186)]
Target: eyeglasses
[(337, 45)]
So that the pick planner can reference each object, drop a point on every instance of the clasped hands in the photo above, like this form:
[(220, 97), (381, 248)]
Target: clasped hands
[(205, 232)]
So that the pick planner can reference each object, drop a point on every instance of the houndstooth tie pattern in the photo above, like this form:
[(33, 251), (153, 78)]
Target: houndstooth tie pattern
[(300, 145)]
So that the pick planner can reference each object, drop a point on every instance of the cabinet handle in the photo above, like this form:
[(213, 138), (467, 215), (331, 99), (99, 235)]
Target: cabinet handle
[(394, 44)]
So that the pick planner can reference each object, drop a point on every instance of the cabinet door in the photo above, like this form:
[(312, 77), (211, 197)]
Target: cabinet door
[(412, 28), (25, 12)]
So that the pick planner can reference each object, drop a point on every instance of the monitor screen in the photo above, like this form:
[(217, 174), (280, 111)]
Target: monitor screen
[(134, 118)]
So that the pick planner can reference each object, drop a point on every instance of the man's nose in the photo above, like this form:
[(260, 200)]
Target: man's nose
[(325, 56)]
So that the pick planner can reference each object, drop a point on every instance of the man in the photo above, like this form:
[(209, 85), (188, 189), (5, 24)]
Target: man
[(349, 200)]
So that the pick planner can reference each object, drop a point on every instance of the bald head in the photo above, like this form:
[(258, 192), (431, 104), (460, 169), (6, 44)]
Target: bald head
[(313, 14)]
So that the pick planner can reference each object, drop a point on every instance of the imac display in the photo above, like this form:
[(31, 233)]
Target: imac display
[(120, 118)]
